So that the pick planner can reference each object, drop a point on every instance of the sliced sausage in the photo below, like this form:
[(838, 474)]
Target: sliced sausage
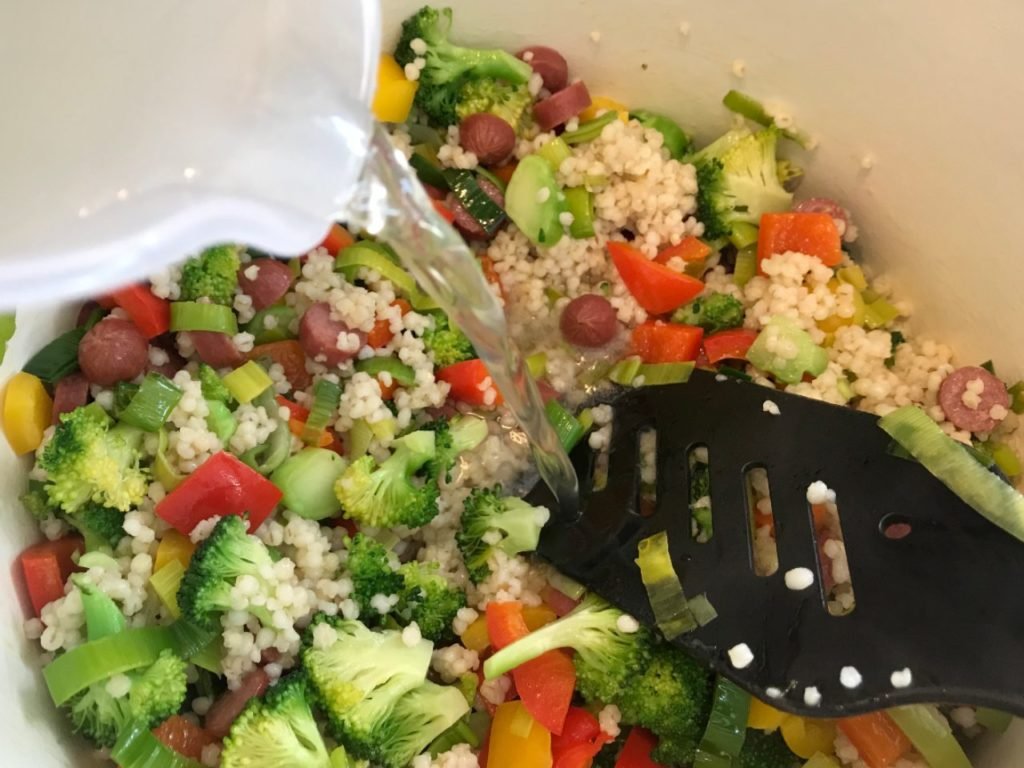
[(549, 64), (216, 349), (488, 137), (973, 399), (318, 334), (175, 362), (70, 393), (113, 350), (270, 281), (839, 214), (464, 220), (229, 706), (589, 321), (561, 107)]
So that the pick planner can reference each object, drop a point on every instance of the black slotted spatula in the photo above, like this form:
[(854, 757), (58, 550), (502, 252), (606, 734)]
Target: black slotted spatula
[(940, 601)]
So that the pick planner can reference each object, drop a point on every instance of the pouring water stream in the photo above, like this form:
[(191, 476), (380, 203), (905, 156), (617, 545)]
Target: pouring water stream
[(391, 203)]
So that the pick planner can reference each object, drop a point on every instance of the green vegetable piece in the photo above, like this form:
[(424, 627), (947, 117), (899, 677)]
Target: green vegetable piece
[(384, 495), (534, 201), (272, 324), (326, 395), (727, 726), (746, 266), (460, 733), (948, 461), (787, 351), (567, 426), (625, 371), (492, 521), (87, 461), (474, 199), (401, 373), (743, 235), (446, 343), (151, 406), (714, 312), (213, 275), (368, 255), (537, 364), (879, 313), (428, 169), (277, 730), (449, 68), (195, 316), (213, 385), (580, 203), (556, 152), (452, 439), (930, 735), (102, 616), (994, 720), (657, 374), (428, 599), (307, 481), (677, 142), (737, 181), (591, 129), (267, 457), (220, 420), (57, 359), (102, 527), (753, 110), (512, 103), (664, 590), (137, 747)]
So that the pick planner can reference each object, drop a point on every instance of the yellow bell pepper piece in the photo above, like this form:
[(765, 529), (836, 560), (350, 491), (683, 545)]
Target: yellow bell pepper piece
[(393, 99), (764, 717), (536, 616), (27, 412), (166, 582), (475, 637), (173, 546), (517, 740), (833, 323), (805, 736), (601, 103)]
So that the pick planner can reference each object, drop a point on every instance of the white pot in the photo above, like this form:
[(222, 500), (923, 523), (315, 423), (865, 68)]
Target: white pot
[(930, 92)]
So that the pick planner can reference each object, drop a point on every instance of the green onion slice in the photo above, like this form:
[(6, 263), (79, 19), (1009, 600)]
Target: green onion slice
[(591, 129), (654, 374), (930, 736), (58, 358), (580, 203), (567, 426), (727, 727), (753, 110), (199, 316), (137, 747), (625, 371), (326, 395), (80, 667), (664, 590), (247, 382), (151, 406), (399, 371), (948, 461)]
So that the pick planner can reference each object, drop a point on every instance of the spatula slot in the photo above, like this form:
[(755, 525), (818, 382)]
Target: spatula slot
[(699, 475), (764, 548), (833, 566), (895, 527), (648, 441)]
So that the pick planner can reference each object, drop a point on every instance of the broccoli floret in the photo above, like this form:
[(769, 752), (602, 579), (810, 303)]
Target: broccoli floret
[(213, 275), (88, 461), (449, 67), (446, 344), (372, 573), (509, 102), (213, 386), (492, 521), (277, 730), (451, 438), (428, 599), (390, 494), (766, 750), (416, 719), (358, 674), (672, 698), (713, 313), (156, 693), (606, 658), (737, 181), (101, 526), (36, 501), (229, 552)]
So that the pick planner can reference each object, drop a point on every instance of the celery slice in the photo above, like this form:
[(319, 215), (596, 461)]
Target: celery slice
[(994, 719), (357, 441), (625, 371), (580, 203), (151, 405), (879, 313), (399, 371), (567, 426), (247, 382), (655, 374), (948, 460), (326, 395), (165, 583), (664, 590), (137, 747), (80, 667), (930, 735), (164, 471), (555, 152), (743, 235), (783, 334), (197, 316)]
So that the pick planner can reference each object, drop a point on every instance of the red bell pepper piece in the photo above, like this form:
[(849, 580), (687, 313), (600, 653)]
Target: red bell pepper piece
[(545, 684), (290, 355), (878, 739), (296, 411), (46, 566), (222, 485), (728, 345), (812, 233), (658, 342), (466, 379), (655, 287), (558, 601), (336, 239), (636, 752), (151, 314), (690, 249), (580, 741)]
